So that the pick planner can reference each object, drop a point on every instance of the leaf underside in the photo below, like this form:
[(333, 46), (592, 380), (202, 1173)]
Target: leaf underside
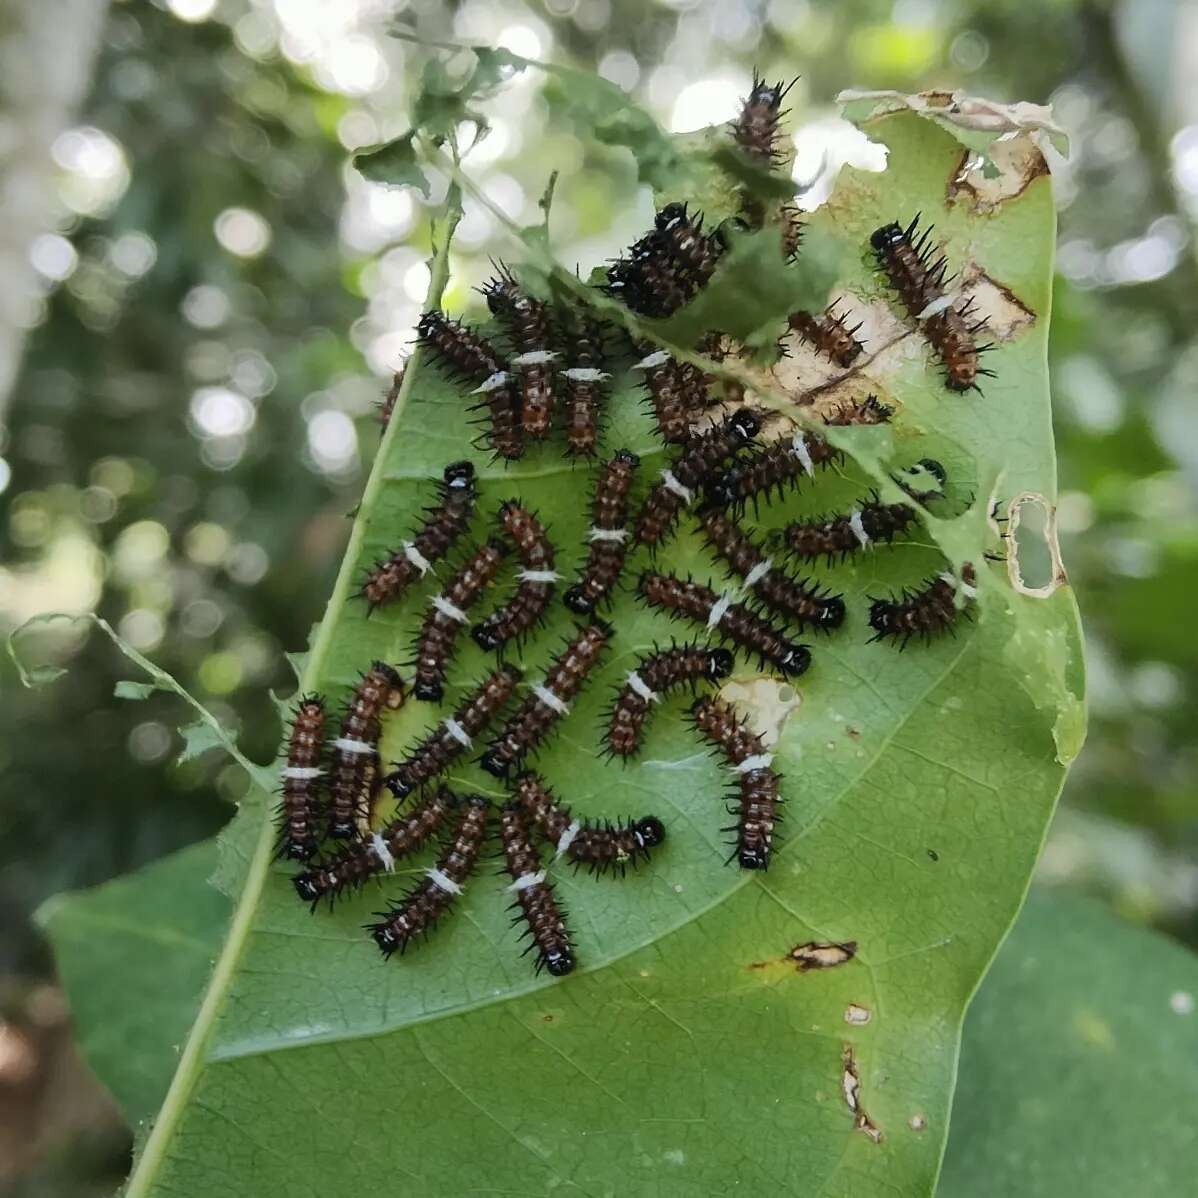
[(687, 1054)]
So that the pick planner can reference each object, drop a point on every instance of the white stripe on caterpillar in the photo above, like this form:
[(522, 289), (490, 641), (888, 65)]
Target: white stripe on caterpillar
[(618, 535), (857, 525), (500, 378), (458, 732), (416, 557), (526, 881), (758, 572), (550, 700), (567, 838), (719, 609), (442, 881), (799, 448), (660, 358), (534, 357), (672, 484), (538, 576), (302, 773), (449, 609), (640, 688), (585, 374), (348, 745), (378, 846), (938, 305), (759, 761)]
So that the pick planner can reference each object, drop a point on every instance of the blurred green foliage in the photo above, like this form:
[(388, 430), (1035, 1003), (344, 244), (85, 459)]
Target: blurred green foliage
[(178, 443)]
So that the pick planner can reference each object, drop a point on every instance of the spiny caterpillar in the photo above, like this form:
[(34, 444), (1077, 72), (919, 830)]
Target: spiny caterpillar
[(547, 702), (829, 335), (794, 598), (534, 895), (755, 129), (585, 379), (676, 390), (377, 853), (869, 524), (447, 520), (688, 600), (928, 612), (446, 615), (355, 753), (649, 680), (666, 268), (451, 738), (534, 589), (472, 358), (758, 785), (869, 410), (681, 481), (526, 321), (600, 847), (918, 275), (299, 807), (419, 910), (780, 465), (607, 537)]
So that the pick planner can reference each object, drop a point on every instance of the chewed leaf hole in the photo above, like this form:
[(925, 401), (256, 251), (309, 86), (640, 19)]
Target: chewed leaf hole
[(1033, 551)]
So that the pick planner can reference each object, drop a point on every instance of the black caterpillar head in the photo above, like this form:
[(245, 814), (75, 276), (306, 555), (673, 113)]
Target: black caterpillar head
[(459, 476), (649, 832), (719, 663)]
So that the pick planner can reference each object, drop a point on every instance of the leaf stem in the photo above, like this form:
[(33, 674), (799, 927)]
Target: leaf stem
[(191, 1060)]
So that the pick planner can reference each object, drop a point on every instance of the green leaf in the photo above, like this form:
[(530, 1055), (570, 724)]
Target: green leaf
[(919, 787), (126, 689), (198, 738), (134, 955), (1077, 1068), (394, 162)]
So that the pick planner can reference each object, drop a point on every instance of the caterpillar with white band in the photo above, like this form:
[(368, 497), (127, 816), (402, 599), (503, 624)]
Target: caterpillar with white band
[(450, 609), (639, 688), (550, 700), (347, 744), (615, 536), (672, 485), (416, 557), (299, 807), (378, 846), (302, 773), (442, 881), (418, 912)]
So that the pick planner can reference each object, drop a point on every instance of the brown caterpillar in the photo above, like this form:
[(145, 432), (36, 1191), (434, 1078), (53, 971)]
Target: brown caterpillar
[(387, 407), (534, 895), (780, 465), (649, 680), (607, 536), (389, 578), (916, 270), (675, 391), (829, 335), (349, 868), (420, 909), (453, 736), (871, 523), (585, 379), (534, 589), (731, 621), (758, 786), (473, 359), (869, 410), (447, 613), (547, 702), (355, 753), (756, 127), (697, 462), (599, 847), (299, 807), (794, 598), (928, 612), (526, 321), (666, 268)]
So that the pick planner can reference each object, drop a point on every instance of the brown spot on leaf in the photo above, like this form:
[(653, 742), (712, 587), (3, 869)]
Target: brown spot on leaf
[(822, 954), (851, 1088), (1016, 163)]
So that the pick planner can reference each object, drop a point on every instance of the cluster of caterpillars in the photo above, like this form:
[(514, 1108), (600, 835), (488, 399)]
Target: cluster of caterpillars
[(547, 369)]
